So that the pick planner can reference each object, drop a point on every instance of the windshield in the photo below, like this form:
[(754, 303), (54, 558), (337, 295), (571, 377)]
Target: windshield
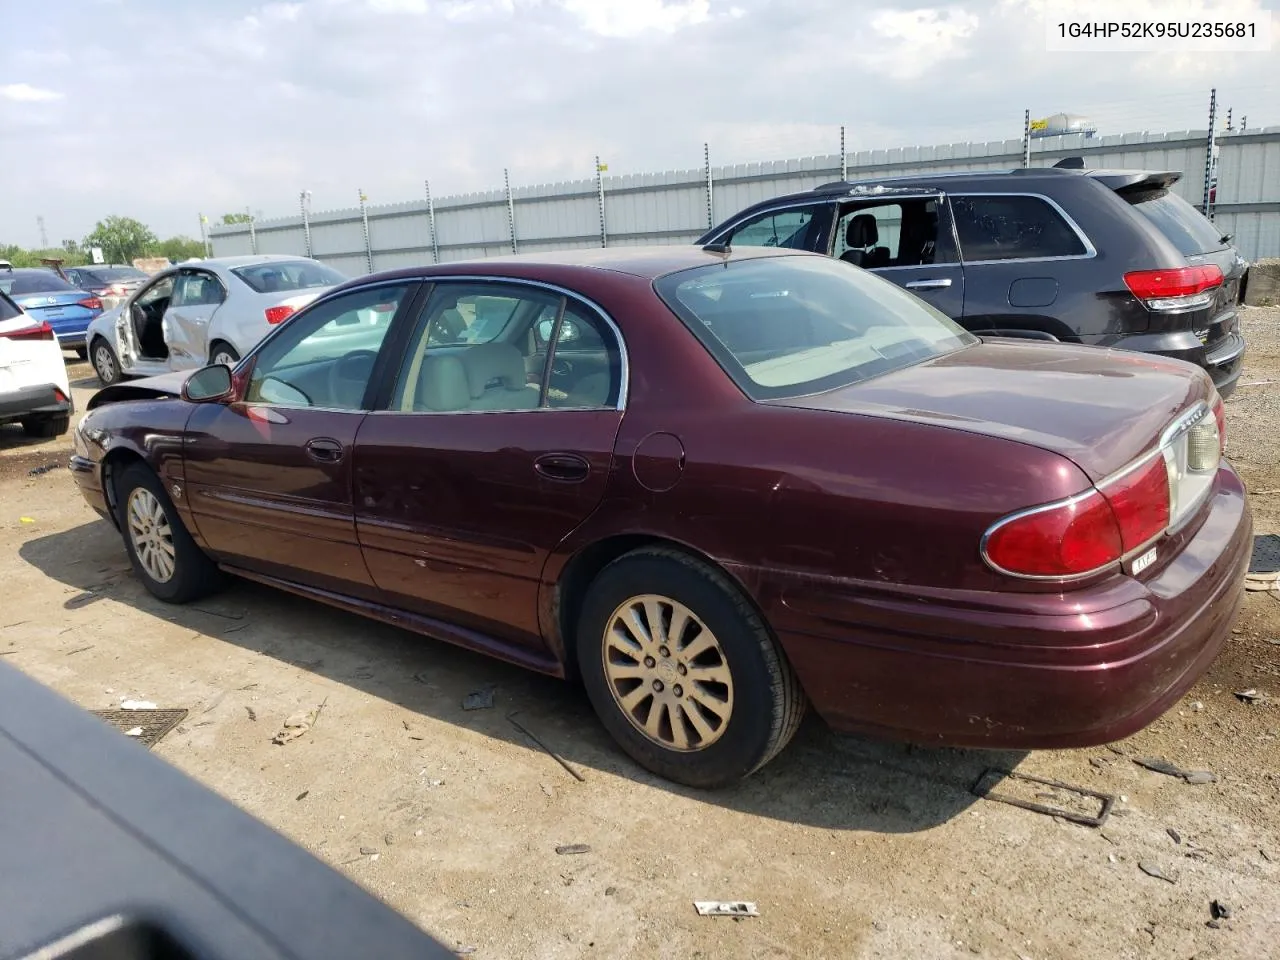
[(22, 282), (795, 325), (288, 275), (113, 274), (1185, 226)]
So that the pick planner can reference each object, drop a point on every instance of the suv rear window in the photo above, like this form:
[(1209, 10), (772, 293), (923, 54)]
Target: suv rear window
[(1184, 225), (1012, 227), (288, 275), (789, 326)]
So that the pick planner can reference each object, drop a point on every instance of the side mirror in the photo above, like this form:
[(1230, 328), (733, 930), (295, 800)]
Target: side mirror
[(568, 330), (208, 385)]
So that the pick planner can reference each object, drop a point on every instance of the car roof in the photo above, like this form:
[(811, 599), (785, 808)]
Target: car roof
[(646, 262), (242, 261)]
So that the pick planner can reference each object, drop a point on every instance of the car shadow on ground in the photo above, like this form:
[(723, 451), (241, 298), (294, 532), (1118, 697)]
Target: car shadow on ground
[(822, 779)]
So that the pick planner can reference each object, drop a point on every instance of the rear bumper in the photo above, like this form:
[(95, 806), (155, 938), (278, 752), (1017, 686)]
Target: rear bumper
[(41, 400), (72, 338), (1223, 359), (1017, 671)]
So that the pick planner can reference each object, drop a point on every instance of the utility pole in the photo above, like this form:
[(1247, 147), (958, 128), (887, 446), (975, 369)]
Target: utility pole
[(844, 157), (44, 234), (706, 165), (1026, 138), (1210, 143), (304, 201), (253, 233), (364, 224), (204, 234), (431, 222), (600, 169), (511, 208)]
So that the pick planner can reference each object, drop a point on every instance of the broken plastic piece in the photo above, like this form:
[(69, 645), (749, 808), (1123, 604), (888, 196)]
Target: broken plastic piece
[(726, 908)]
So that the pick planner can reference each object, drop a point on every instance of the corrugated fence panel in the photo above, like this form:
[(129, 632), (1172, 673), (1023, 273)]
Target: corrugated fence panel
[(671, 207)]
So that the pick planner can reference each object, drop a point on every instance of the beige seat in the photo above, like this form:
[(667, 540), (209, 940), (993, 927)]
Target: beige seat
[(442, 385), (497, 379)]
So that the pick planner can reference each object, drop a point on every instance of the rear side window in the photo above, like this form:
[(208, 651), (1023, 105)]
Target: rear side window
[(196, 289), (1184, 226), (1012, 227), (288, 275)]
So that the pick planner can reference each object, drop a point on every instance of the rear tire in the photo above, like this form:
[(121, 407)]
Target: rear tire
[(683, 672), (46, 428), (223, 353), (164, 556), (105, 362)]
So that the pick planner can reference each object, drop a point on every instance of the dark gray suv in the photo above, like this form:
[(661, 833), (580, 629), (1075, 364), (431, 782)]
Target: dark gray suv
[(1105, 257)]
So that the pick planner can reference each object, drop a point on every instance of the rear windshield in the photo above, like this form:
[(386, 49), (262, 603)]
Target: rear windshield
[(113, 274), (1184, 225), (795, 325), (288, 275), (22, 282)]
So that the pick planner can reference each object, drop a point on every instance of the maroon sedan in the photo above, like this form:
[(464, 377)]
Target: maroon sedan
[(713, 485)]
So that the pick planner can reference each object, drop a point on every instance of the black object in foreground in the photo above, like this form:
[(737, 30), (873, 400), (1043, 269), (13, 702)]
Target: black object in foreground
[(108, 853)]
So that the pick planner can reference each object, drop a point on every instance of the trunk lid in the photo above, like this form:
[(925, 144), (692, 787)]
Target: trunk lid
[(1099, 408)]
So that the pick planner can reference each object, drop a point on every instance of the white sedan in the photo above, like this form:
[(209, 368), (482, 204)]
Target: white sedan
[(201, 312), (33, 376)]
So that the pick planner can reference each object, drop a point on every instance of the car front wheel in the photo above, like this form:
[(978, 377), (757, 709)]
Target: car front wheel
[(105, 363), (683, 672), (161, 550), (223, 354)]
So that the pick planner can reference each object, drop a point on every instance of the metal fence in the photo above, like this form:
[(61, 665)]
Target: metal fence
[(677, 206)]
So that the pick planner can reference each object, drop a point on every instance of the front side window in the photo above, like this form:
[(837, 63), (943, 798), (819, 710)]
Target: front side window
[(279, 275), (790, 326), (899, 234), (1012, 227), (161, 290), (777, 228), (324, 356), (486, 347)]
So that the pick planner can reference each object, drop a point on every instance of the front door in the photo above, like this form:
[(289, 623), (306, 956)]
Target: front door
[(197, 295), (139, 333), (907, 239), (486, 454), (269, 476)]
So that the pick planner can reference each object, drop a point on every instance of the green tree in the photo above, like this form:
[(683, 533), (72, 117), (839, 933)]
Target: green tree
[(121, 239), (230, 218), (178, 249)]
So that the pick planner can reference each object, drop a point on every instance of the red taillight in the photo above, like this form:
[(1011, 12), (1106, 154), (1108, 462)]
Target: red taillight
[(1168, 289), (37, 331), (1067, 540), (91, 303), (277, 314), (1140, 502)]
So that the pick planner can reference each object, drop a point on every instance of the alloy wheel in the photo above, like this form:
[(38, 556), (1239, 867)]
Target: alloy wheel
[(104, 363), (151, 535)]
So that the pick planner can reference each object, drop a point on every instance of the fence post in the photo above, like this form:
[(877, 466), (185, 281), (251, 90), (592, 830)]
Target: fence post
[(600, 169), (511, 208), (1207, 206), (844, 157), (431, 223), (1026, 138), (364, 225), (706, 163), (253, 233), (304, 202), (204, 234)]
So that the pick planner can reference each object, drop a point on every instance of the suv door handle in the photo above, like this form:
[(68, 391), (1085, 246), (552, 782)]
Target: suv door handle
[(325, 450), (934, 283), (563, 467)]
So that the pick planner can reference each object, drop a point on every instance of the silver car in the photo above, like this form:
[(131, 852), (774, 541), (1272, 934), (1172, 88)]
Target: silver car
[(203, 311)]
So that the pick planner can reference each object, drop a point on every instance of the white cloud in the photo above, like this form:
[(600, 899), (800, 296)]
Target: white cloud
[(630, 18), (25, 93), (932, 32)]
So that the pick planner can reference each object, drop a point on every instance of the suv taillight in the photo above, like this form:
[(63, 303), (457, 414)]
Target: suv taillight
[(1086, 533), (37, 331), (1177, 289), (279, 314)]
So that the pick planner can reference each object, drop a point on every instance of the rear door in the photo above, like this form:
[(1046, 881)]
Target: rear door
[(906, 238), (197, 295), (475, 469)]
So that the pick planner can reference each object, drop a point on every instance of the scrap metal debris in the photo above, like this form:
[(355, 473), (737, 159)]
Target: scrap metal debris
[(1152, 869), (726, 908), (984, 788), (37, 471), (569, 849), (1160, 765), (298, 724), (1174, 835), (1220, 910), (551, 753), (1251, 696)]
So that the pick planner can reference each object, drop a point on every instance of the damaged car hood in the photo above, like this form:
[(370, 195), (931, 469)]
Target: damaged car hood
[(151, 388)]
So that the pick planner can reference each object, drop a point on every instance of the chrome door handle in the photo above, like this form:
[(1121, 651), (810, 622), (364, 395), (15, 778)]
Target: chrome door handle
[(325, 450), (937, 283)]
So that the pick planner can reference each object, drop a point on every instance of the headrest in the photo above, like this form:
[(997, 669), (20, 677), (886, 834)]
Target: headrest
[(487, 362), (862, 231), (442, 384)]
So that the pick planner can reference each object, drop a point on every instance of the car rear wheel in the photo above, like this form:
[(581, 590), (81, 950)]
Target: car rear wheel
[(46, 427), (105, 363), (224, 354), (161, 550), (683, 672)]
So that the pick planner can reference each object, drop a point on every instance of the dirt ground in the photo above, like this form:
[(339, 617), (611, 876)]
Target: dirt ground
[(852, 849)]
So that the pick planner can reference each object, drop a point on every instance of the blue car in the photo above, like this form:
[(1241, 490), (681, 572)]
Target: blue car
[(44, 295)]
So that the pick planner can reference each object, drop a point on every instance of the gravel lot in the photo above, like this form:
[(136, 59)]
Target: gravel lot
[(851, 848)]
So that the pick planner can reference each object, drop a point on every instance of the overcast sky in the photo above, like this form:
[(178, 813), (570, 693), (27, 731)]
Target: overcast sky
[(160, 109)]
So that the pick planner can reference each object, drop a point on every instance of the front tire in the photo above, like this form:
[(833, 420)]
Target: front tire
[(105, 363), (683, 672), (164, 556), (223, 353)]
